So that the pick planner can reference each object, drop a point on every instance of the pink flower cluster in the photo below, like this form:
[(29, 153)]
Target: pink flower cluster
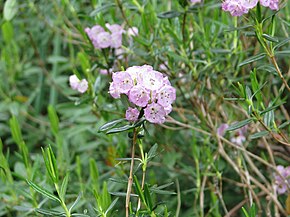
[(77, 84), (103, 39), (240, 7), (282, 180), (147, 89)]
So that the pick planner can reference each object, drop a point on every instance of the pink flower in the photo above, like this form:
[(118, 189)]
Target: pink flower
[(104, 39), (132, 114), (239, 138), (272, 4), (222, 129), (115, 28), (122, 81), (249, 4), (155, 113), (166, 95), (116, 40), (74, 82), (133, 31), (93, 33), (235, 7), (282, 179), (139, 96), (79, 85), (146, 88), (151, 80), (114, 91)]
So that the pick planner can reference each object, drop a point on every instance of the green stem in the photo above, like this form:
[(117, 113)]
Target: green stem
[(62, 203), (130, 179)]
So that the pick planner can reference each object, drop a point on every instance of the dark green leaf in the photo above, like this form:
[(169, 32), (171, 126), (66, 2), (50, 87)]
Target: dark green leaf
[(169, 14), (120, 129), (49, 212), (271, 108), (110, 124), (139, 190), (270, 38), (252, 59), (102, 8), (239, 124), (259, 134), (285, 124), (43, 191), (282, 43), (147, 197)]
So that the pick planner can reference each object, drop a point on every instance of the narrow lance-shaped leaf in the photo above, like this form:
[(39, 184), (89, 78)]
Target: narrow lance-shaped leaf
[(53, 118), (252, 59), (64, 186), (110, 124), (147, 197), (239, 124), (94, 173), (169, 14), (43, 191), (139, 190), (259, 135)]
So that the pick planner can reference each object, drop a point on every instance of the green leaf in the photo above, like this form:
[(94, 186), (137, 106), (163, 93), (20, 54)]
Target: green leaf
[(43, 191), (285, 124), (94, 174), (15, 130), (252, 59), (259, 134), (282, 43), (169, 14), (76, 202), (152, 151), (102, 8), (111, 205), (120, 129), (245, 212), (54, 121), (239, 124), (49, 212), (7, 32), (64, 186), (139, 190), (271, 108), (10, 9), (84, 60), (50, 163), (111, 124), (147, 197), (270, 38)]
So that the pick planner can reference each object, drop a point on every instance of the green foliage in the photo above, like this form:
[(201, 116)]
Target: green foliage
[(63, 153)]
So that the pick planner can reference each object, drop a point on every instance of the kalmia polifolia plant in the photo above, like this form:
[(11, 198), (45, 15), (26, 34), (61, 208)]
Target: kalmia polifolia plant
[(254, 103), (151, 95)]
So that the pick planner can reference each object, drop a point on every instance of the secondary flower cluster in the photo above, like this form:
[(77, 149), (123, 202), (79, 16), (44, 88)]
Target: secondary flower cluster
[(282, 180), (147, 89), (77, 84), (240, 7), (103, 39)]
